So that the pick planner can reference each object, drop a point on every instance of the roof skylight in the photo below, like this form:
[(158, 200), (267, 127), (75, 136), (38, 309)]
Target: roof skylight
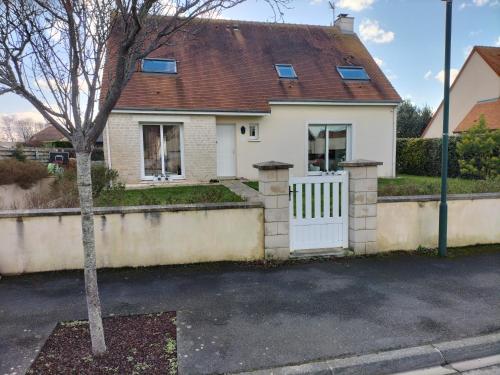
[(167, 66), (353, 73), (285, 71)]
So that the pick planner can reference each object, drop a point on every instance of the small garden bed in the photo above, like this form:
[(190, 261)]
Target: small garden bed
[(137, 344), (421, 185)]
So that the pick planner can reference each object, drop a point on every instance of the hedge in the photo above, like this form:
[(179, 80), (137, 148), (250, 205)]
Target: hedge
[(422, 157)]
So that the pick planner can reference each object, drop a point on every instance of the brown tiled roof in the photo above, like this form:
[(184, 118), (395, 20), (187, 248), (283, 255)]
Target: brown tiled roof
[(491, 111), (48, 134), (223, 69), (491, 55)]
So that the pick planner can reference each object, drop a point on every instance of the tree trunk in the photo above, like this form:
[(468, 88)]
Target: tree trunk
[(84, 179)]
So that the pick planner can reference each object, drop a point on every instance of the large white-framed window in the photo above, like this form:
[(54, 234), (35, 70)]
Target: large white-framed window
[(162, 151), (327, 146)]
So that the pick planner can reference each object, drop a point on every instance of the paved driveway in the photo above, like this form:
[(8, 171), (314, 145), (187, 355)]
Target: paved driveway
[(234, 317)]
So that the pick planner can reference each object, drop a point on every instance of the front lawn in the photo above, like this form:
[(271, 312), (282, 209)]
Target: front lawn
[(422, 185), (168, 195)]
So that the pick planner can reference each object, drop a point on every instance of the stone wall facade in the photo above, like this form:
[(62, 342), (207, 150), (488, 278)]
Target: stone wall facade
[(200, 148), (122, 144)]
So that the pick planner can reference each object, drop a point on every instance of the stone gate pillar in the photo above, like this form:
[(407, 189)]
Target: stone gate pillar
[(362, 205), (273, 188)]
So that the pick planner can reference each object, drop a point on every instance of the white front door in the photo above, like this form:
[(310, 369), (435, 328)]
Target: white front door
[(226, 151)]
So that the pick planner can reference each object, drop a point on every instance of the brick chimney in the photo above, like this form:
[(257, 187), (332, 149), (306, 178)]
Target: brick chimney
[(345, 23)]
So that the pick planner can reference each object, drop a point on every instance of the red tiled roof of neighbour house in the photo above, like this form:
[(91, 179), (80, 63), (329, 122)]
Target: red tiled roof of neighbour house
[(223, 68), (491, 55), (491, 111), (48, 134)]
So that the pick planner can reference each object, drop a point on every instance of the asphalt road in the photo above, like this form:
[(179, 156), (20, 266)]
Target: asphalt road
[(237, 317)]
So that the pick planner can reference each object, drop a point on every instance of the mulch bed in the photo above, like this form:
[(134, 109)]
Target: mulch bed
[(137, 344)]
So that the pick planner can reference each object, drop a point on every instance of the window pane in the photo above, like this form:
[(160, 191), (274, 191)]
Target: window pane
[(317, 147), (152, 149), (286, 71), (172, 149), (337, 141), (353, 73), (159, 66)]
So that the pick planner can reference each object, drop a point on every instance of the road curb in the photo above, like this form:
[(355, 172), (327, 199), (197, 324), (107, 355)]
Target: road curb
[(470, 348), (393, 361)]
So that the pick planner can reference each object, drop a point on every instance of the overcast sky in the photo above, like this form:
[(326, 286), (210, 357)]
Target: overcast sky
[(406, 38)]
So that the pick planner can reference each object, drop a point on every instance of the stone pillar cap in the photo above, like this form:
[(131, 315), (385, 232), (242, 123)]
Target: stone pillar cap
[(270, 165), (360, 163)]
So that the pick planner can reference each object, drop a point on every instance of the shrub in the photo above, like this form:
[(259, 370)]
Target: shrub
[(65, 189), (60, 144), (18, 153), (22, 173), (422, 157), (102, 178), (479, 152)]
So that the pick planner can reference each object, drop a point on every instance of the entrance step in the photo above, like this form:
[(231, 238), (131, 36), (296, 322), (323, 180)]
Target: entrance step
[(338, 252)]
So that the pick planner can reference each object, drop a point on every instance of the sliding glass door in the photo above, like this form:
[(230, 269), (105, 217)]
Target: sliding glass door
[(327, 147), (162, 151)]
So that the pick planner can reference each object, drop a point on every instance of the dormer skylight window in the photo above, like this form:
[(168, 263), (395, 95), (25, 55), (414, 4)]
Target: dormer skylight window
[(357, 73), (286, 71), (165, 66)]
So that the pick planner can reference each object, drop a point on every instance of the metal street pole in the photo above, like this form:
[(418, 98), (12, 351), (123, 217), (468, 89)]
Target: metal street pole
[(443, 206)]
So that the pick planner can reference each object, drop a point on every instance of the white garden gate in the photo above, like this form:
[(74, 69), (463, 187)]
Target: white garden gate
[(319, 212)]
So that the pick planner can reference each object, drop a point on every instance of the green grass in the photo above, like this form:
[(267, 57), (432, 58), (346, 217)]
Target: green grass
[(421, 185), (253, 184), (169, 195)]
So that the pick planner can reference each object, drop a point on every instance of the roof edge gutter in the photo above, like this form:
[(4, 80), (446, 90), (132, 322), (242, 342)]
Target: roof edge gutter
[(334, 103), (188, 112)]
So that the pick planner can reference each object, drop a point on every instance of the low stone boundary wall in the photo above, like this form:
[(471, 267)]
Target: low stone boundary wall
[(405, 223), (50, 239)]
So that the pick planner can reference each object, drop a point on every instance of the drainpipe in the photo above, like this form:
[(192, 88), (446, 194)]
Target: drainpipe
[(108, 151)]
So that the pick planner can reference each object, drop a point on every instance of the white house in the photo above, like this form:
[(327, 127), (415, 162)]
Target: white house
[(239, 93), (475, 92)]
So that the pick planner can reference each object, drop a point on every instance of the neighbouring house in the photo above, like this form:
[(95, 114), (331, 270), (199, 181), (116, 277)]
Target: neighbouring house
[(238, 93), (490, 109), (475, 92), (48, 134)]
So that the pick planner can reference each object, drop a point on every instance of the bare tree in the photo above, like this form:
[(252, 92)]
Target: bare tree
[(26, 128), (52, 54), (8, 129), (17, 128)]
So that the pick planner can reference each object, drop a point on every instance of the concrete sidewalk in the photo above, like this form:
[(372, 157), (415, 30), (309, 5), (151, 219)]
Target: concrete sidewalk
[(234, 318)]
